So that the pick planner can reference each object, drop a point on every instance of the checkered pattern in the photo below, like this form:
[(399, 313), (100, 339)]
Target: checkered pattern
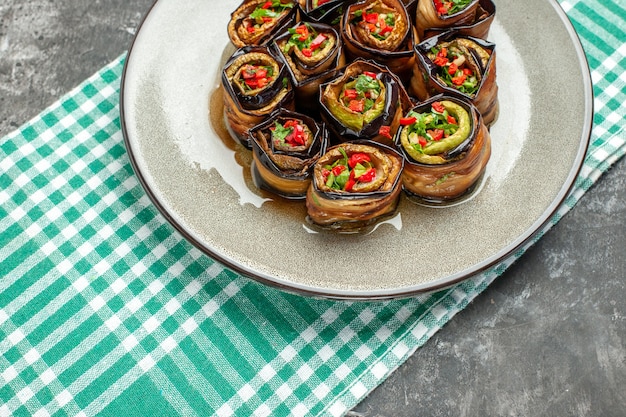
[(106, 310)]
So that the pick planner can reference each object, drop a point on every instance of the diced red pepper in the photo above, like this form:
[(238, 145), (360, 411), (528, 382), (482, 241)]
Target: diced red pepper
[(438, 107), (406, 121), (248, 72), (298, 135), (303, 31), (267, 4), (467, 71), (321, 2), (260, 73), (307, 52), (452, 69), (385, 131), (250, 29), (386, 29), (357, 158), (350, 93), (252, 83), (422, 141), (370, 17), (325, 173), (368, 176), (338, 169), (356, 105), (436, 134), (452, 120), (440, 61), (267, 19), (442, 57), (370, 74), (291, 123), (442, 9), (459, 80), (317, 42), (350, 183), (261, 82)]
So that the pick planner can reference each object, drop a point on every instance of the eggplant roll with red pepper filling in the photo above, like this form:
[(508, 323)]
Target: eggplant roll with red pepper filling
[(255, 84), (285, 147), (447, 147), (453, 64), (380, 30), (366, 101), (478, 27), (312, 51), (255, 22), (355, 184), (447, 14)]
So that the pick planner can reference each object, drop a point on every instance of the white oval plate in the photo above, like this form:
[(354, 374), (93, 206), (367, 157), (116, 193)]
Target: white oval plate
[(201, 183)]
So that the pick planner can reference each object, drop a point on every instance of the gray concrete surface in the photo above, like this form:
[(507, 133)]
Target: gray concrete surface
[(548, 338)]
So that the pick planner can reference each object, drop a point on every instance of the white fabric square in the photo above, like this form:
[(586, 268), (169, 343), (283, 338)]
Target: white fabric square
[(379, 370), (47, 376), (16, 337), (321, 391), (147, 363), (25, 394), (63, 398), (246, 392), (326, 353), (267, 372), (151, 324), (113, 322), (97, 303), (32, 356), (288, 353), (130, 342), (305, 372), (168, 344), (358, 390), (190, 325)]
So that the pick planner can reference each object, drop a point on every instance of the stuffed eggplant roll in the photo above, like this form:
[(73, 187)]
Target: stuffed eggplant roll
[(446, 146), (380, 30), (355, 184), (285, 147), (458, 64), (254, 22), (311, 51), (444, 14), (255, 84), (366, 101), (478, 27)]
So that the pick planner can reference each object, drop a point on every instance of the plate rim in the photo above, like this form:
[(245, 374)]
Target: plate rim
[(402, 292)]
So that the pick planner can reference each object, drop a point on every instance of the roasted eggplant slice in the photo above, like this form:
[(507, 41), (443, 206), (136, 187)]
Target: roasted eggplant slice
[(457, 64), (380, 30), (255, 84), (355, 185), (446, 146), (285, 147), (254, 22), (366, 101), (312, 51)]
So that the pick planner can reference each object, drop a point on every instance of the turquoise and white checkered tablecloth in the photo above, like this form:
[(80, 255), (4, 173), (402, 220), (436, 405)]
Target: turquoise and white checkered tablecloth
[(106, 310)]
